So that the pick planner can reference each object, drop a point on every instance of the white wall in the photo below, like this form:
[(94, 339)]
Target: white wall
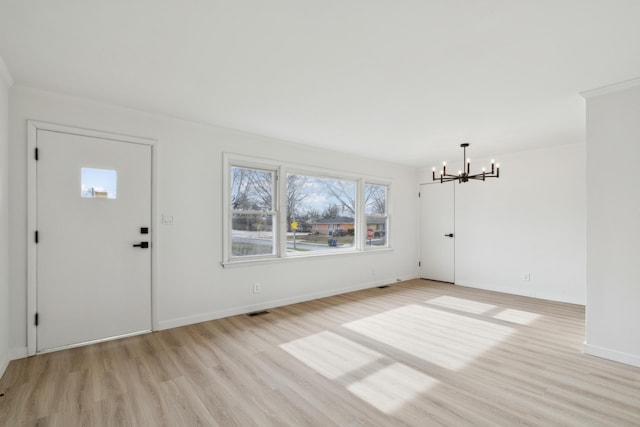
[(5, 83), (530, 220), (191, 285), (613, 227)]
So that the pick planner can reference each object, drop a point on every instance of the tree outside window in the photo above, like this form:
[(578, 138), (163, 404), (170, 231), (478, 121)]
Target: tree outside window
[(252, 212), (375, 208), (324, 209)]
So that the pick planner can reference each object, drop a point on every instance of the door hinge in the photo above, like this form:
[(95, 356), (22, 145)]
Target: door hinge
[(37, 321), (419, 264), (37, 237), (37, 155), (419, 195)]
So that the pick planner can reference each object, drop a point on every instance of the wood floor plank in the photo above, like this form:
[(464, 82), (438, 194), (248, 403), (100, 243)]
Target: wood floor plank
[(414, 354)]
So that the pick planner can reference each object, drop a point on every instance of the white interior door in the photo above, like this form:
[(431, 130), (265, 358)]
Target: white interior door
[(93, 201), (437, 219)]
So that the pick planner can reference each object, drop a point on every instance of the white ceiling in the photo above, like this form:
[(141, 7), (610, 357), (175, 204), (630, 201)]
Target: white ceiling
[(405, 81)]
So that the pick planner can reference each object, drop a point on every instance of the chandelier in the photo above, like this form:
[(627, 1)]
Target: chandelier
[(465, 175)]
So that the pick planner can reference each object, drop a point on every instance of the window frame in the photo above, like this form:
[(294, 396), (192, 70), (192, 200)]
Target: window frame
[(386, 215), (281, 170), (316, 173), (248, 163)]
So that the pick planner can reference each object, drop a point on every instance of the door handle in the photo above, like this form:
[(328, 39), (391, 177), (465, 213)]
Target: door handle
[(143, 245), (448, 235)]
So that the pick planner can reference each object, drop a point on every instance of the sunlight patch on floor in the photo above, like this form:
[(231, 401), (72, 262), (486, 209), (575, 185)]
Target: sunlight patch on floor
[(392, 387), (449, 340), (517, 316), (461, 304), (330, 354)]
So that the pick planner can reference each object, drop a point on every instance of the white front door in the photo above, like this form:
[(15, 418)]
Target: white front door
[(93, 207), (437, 232)]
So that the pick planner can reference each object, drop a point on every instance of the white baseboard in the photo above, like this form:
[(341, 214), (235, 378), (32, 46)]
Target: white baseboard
[(12, 354), (607, 353), (4, 362), (219, 314), (18, 353), (525, 293)]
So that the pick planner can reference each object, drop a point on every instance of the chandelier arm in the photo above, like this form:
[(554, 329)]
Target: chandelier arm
[(446, 176), (449, 178), (482, 176)]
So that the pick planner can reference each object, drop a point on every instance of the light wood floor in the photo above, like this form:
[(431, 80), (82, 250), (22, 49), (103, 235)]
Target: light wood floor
[(417, 353)]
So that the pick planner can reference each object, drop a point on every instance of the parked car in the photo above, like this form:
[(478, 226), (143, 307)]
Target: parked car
[(338, 232)]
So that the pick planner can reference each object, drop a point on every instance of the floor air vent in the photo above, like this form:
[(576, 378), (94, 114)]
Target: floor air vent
[(258, 313), (384, 286)]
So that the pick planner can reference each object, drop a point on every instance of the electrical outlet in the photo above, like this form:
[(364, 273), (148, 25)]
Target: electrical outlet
[(526, 277), (257, 288)]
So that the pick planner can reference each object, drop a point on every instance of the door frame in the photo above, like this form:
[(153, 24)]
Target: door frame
[(33, 126)]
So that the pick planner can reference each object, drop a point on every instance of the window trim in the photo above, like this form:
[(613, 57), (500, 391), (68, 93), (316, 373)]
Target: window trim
[(231, 161), (282, 169)]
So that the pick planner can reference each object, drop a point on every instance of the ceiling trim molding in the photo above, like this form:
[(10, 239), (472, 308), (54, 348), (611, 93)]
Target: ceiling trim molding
[(5, 74), (616, 87)]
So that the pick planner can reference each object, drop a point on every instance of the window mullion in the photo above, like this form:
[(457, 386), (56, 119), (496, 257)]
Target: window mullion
[(361, 219), (282, 208)]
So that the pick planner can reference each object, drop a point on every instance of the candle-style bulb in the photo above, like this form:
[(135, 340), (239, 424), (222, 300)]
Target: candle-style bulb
[(444, 163), (484, 169), (468, 160), (492, 161), (433, 169)]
